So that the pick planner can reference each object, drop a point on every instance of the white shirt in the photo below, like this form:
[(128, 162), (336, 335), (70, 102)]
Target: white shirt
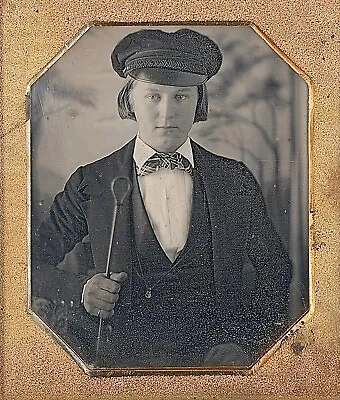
[(167, 196)]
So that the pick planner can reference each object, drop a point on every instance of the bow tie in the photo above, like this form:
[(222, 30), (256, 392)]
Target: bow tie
[(165, 160)]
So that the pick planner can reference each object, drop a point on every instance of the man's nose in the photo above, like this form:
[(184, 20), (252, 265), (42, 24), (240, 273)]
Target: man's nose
[(167, 107)]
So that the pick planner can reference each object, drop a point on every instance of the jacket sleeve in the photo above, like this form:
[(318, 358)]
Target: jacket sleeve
[(56, 236), (267, 313)]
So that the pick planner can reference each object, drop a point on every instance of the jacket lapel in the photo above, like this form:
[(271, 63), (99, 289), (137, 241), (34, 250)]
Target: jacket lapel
[(99, 210), (227, 201)]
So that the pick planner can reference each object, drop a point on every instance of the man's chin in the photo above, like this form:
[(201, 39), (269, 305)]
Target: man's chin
[(166, 145), (166, 148)]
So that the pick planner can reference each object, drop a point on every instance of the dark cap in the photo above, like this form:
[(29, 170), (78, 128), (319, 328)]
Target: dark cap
[(181, 58)]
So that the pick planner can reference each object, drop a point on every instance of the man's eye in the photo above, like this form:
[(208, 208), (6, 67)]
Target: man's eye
[(153, 96), (181, 96)]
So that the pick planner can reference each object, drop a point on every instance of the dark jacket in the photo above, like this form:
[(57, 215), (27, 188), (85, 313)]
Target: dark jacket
[(240, 228)]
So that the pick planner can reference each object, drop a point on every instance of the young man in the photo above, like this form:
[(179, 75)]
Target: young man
[(192, 219)]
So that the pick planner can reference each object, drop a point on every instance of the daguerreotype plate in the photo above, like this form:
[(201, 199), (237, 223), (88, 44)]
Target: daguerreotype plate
[(198, 259)]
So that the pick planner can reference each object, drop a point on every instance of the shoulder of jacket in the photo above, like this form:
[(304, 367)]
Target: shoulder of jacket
[(96, 174), (232, 172), (209, 154), (219, 160), (98, 165)]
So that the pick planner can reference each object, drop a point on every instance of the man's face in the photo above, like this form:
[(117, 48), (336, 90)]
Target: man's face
[(164, 114)]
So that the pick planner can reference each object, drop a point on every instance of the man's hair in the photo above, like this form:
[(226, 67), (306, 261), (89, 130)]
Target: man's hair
[(126, 112)]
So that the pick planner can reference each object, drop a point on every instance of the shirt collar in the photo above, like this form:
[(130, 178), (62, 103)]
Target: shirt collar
[(143, 152)]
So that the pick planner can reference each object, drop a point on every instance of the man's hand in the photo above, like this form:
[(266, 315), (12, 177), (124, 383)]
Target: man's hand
[(101, 294), (227, 354)]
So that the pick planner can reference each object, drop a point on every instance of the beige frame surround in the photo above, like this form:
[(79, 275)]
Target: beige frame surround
[(305, 362)]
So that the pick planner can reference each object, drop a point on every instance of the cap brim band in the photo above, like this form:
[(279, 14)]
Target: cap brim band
[(168, 77)]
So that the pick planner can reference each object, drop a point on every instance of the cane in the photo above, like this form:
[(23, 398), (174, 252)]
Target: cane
[(120, 188)]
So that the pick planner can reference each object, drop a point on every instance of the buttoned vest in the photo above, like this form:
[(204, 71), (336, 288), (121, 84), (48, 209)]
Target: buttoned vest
[(177, 321)]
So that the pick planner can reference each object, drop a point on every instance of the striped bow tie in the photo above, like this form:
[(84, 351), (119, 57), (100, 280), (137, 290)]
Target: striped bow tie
[(165, 160)]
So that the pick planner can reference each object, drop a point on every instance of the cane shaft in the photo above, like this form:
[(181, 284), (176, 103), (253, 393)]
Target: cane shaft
[(120, 194)]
